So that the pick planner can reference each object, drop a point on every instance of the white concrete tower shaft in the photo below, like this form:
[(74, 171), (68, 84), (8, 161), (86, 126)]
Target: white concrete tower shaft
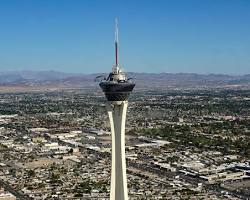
[(117, 115)]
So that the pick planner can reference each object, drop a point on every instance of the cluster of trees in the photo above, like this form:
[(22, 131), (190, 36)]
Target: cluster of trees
[(3, 147), (86, 186), (185, 192), (182, 135), (55, 178)]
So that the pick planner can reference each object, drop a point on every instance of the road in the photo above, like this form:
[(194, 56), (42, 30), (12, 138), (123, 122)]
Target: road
[(163, 173), (10, 189)]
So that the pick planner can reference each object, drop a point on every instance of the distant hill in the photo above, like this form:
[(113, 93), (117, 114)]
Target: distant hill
[(185, 80), (143, 80)]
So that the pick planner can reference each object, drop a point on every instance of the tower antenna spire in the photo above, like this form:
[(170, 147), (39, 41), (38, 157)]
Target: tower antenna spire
[(116, 42)]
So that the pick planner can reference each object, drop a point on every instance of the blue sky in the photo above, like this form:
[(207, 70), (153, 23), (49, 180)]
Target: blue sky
[(211, 36)]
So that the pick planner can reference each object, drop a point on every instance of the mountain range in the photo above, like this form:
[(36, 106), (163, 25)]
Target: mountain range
[(143, 80)]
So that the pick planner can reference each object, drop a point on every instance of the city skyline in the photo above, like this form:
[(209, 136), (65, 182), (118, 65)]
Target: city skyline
[(164, 36)]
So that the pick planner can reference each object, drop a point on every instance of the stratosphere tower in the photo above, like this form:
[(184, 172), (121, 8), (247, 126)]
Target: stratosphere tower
[(117, 88)]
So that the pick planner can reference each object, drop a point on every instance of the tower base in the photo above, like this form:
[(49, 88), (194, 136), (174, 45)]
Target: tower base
[(117, 115)]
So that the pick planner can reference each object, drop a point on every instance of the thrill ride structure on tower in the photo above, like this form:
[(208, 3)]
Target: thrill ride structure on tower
[(117, 87)]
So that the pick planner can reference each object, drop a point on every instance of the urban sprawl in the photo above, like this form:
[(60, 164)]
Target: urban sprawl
[(180, 144)]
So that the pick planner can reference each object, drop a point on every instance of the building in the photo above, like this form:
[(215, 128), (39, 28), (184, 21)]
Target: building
[(6, 195), (117, 88)]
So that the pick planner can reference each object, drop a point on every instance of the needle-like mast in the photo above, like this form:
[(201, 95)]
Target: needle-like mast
[(116, 42)]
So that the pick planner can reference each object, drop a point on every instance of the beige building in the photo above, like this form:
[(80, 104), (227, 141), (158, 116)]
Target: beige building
[(6, 195)]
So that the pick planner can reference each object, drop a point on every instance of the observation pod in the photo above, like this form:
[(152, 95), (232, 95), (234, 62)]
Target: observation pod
[(117, 91)]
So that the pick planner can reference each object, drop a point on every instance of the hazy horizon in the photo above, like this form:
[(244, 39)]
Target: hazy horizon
[(103, 72)]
